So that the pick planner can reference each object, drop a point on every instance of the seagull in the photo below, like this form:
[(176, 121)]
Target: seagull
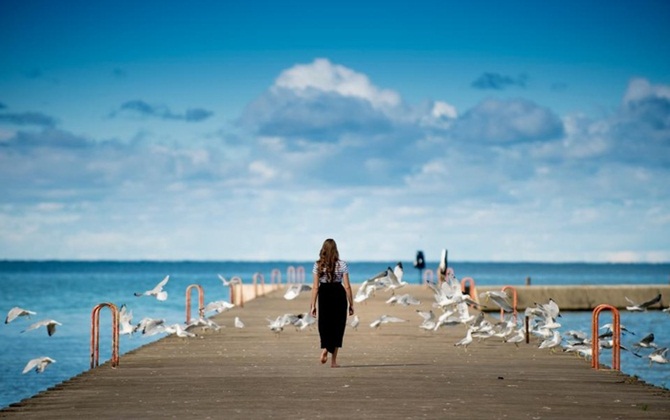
[(125, 319), (39, 364), (639, 307), (394, 277), (227, 283), (150, 326), (205, 323), (404, 300), (295, 289), (500, 298), (277, 325), (218, 306), (355, 322), (609, 328), (238, 322), (178, 330), (646, 342), (385, 319), (465, 341), (551, 342), (17, 312), (658, 356), (426, 315), (516, 338), (368, 287), (365, 290), (157, 291), (49, 323)]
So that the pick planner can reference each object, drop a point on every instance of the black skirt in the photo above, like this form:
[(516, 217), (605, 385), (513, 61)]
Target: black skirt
[(332, 315)]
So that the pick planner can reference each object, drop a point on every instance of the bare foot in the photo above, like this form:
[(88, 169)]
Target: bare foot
[(334, 365), (324, 356)]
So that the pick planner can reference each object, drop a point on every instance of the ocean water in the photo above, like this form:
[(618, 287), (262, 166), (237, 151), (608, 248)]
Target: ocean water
[(68, 291)]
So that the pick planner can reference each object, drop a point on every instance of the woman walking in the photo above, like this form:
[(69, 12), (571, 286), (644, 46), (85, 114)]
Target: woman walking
[(331, 287)]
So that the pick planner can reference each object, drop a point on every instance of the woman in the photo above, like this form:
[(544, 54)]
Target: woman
[(331, 287)]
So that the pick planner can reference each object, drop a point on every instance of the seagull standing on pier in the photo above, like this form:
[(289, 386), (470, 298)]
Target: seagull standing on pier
[(238, 322)]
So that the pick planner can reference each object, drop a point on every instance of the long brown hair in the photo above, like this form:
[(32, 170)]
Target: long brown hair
[(328, 258)]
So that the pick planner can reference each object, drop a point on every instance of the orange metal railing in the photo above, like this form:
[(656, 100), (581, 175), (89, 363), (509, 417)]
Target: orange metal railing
[(300, 274), (275, 276), (616, 337), (262, 281), (236, 285), (201, 301), (95, 334), (515, 300), (428, 276), (469, 283), (290, 274)]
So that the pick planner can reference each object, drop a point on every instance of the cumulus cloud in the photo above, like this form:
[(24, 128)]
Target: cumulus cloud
[(322, 101), (144, 109), (508, 121), (325, 149), (28, 118), (497, 81), (323, 76)]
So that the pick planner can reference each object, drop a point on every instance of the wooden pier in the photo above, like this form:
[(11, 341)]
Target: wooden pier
[(398, 371)]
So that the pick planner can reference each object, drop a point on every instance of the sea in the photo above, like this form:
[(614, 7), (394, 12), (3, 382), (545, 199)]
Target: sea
[(67, 291)]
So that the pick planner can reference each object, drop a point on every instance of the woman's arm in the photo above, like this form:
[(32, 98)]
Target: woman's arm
[(315, 293), (347, 288)]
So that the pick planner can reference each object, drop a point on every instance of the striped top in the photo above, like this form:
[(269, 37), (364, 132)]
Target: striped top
[(340, 270)]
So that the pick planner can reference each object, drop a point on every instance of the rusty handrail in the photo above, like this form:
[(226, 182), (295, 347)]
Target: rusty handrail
[(95, 334), (290, 274), (255, 280), (201, 301), (471, 284), (514, 303), (276, 273), (616, 337), (234, 284), (428, 273)]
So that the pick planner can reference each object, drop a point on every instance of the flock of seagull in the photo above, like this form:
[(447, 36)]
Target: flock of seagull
[(454, 308), (38, 364), (453, 305), (147, 326)]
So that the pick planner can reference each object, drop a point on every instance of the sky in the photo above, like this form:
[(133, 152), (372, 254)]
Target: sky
[(207, 130)]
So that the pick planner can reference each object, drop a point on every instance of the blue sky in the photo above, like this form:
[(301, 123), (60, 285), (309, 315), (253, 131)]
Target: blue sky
[(205, 130)]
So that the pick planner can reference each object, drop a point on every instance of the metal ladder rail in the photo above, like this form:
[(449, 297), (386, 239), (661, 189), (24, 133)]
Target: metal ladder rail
[(95, 334), (201, 301), (616, 337)]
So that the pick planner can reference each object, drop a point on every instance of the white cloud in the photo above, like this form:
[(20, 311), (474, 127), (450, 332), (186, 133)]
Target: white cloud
[(326, 153), (639, 88), (323, 76)]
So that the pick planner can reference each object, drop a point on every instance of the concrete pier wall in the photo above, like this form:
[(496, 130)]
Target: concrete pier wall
[(584, 298)]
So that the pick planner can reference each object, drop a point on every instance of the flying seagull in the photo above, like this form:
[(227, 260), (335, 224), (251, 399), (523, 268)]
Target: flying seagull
[(639, 307), (49, 323), (157, 291), (39, 364), (295, 289), (16, 312)]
